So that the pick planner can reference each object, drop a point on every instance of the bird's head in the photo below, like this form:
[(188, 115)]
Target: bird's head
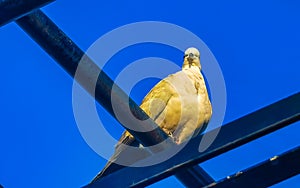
[(191, 58)]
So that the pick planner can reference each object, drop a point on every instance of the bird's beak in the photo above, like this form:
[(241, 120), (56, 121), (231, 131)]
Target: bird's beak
[(191, 57)]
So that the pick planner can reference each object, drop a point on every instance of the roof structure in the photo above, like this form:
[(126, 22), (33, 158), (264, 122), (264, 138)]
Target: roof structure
[(184, 165)]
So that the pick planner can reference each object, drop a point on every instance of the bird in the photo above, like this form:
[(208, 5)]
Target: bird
[(179, 104)]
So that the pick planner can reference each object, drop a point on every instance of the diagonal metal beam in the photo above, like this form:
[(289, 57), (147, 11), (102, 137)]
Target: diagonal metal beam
[(58, 45), (231, 135), (11, 10), (68, 55), (265, 174)]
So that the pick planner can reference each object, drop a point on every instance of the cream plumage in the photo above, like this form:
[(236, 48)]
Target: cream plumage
[(179, 104)]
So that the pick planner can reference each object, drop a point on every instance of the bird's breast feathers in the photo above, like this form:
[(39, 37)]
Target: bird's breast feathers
[(179, 104)]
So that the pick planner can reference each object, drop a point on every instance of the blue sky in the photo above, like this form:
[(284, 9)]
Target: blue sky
[(256, 44)]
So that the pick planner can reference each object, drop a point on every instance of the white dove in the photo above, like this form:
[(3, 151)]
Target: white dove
[(179, 104)]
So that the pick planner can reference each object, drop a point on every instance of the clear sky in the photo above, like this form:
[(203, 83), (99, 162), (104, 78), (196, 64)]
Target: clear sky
[(255, 43)]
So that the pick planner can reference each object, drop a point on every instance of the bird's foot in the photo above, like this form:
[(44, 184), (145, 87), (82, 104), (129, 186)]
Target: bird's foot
[(175, 139)]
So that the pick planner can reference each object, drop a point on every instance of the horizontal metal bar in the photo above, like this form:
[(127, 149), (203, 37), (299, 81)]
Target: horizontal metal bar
[(68, 55), (11, 10), (231, 135), (194, 177), (265, 174)]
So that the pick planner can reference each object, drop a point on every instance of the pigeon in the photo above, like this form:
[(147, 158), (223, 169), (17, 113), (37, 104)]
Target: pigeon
[(179, 104)]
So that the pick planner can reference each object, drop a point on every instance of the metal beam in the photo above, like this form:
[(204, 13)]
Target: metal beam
[(58, 45), (265, 174), (11, 10), (231, 135), (194, 177), (68, 55)]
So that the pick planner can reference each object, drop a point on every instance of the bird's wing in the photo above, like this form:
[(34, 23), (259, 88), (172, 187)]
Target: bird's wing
[(157, 99), (153, 104)]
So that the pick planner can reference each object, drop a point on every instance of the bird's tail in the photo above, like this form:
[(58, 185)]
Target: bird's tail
[(109, 168), (124, 154)]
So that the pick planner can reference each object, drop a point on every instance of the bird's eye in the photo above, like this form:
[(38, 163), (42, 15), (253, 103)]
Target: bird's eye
[(191, 54)]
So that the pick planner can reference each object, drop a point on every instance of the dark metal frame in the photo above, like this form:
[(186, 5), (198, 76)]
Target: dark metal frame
[(11, 10), (265, 174), (231, 135), (184, 164)]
